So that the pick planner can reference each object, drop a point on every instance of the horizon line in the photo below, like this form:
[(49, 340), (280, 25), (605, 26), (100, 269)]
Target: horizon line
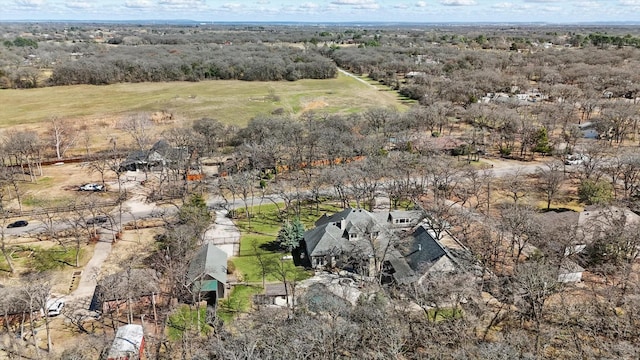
[(304, 22)]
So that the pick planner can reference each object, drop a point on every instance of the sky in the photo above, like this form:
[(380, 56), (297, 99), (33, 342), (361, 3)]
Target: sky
[(439, 11)]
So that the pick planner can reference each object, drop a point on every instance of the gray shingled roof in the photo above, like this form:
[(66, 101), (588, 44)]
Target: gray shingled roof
[(132, 283), (413, 215), (402, 272), (210, 261), (413, 253), (422, 248), (408, 256), (329, 237)]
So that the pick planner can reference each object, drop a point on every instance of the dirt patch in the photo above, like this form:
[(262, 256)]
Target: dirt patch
[(318, 104), (134, 247)]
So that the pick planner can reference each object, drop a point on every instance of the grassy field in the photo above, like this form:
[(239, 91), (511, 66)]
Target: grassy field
[(232, 102)]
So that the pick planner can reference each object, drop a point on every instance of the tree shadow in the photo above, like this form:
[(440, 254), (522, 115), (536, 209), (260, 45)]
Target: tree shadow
[(271, 246), (557, 210)]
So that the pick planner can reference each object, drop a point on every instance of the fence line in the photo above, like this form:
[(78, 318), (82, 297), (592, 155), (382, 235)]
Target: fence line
[(62, 209)]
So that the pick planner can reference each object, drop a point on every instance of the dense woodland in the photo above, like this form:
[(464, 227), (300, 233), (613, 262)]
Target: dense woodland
[(427, 156)]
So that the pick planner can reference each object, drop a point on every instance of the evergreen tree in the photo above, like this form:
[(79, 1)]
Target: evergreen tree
[(542, 142), (291, 234)]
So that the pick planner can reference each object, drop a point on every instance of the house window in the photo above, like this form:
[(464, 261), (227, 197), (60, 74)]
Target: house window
[(401, 221), (319, 261)]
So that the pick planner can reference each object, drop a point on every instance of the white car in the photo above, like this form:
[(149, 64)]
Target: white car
[(576, 159), (55, 306), (92, 187)]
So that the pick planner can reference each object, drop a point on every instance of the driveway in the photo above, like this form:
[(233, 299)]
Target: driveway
[(224, 234)]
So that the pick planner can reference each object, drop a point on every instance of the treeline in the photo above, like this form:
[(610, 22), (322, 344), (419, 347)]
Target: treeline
[(161, 63), (464, 75), (476, 60), (604, 40)]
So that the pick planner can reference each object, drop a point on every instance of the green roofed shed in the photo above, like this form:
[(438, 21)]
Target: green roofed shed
[(208, 272)]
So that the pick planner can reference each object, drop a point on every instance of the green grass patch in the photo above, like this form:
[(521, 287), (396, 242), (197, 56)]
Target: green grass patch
[(239, 301), (42, 202), (53, 258), (560, 206), (4, 267), (438, 315), (258, 237), (186, 319)]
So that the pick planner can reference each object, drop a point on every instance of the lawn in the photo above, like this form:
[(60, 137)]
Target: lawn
[(230, 101), (186, 319), (258, 239), (238, 301), (45, 259)]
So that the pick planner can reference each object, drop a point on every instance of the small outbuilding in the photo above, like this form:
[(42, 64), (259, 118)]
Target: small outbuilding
[(208, 273), (14, 310), (129, 289), (570, 272), (128, 344)]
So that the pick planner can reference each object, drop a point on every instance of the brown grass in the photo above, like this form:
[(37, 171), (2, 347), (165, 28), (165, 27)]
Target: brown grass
[(228, 101)]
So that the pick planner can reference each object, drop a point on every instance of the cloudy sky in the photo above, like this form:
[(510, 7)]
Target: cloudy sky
[(558, 11)]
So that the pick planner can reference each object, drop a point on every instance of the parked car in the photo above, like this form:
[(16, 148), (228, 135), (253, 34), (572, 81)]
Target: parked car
[(97, 220), (576, 159), (55, 306), (92, 187), (19, 223)]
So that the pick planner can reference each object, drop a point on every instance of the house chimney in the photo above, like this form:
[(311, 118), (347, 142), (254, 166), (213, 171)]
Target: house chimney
[(419, 247), (343, 223)]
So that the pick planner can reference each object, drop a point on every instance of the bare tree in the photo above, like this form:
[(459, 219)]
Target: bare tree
[(519, 224), (550, 180), (337, 178), (621, 119), (25, 147), (6, 253), (536, 281), (138, 126), (63, 135), (516, 185), (439, 290), (241, 185), (365, 181), (35, 294), (596, 155)]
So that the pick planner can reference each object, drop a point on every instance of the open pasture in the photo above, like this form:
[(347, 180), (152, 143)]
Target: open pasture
[(230, 101)]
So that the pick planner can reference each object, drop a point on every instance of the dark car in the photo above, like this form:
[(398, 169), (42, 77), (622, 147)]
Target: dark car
[(97, 220), (19, 223)]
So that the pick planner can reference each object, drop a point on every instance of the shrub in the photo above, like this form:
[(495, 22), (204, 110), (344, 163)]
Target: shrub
[(231, 267), (595, 192)]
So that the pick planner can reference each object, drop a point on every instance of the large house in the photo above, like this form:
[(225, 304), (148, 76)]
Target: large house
[(397, 246), (160, 157)]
